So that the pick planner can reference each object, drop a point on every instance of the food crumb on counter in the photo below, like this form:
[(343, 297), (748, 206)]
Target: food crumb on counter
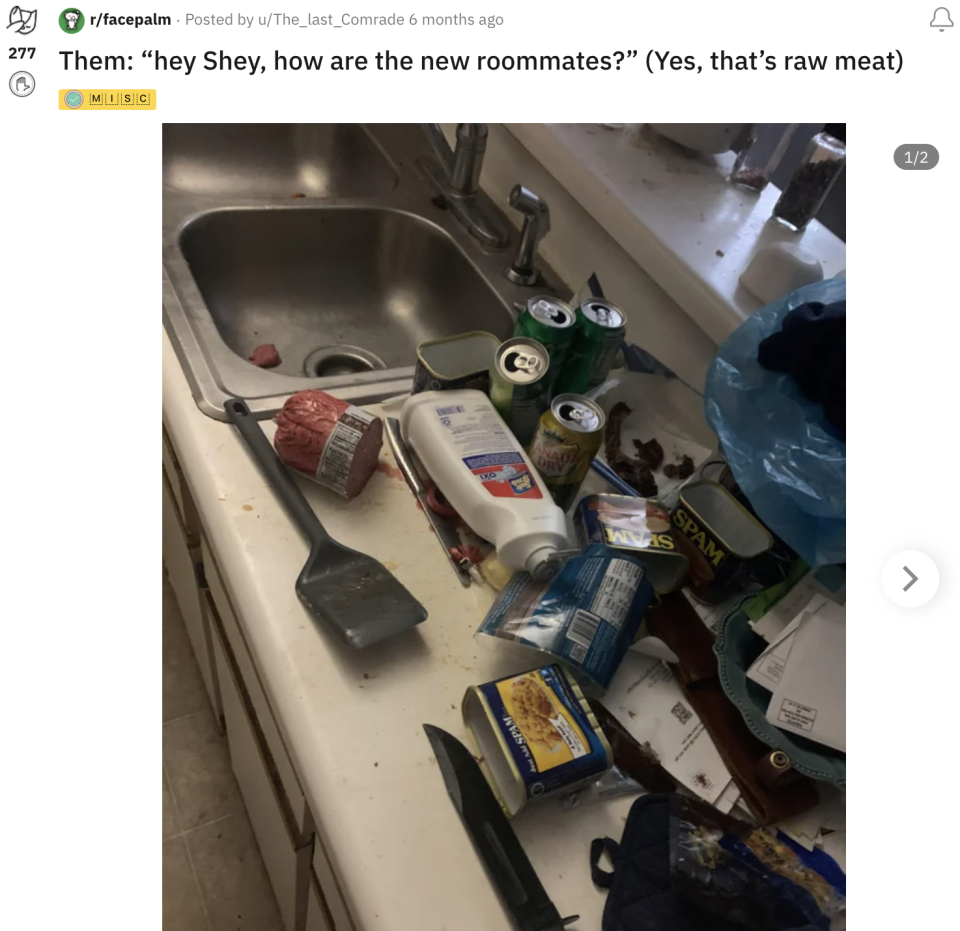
[(720, 253), (376, 764), (298, 195), (248, 507)]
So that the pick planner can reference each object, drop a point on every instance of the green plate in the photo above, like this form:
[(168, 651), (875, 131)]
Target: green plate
[(737, 646)]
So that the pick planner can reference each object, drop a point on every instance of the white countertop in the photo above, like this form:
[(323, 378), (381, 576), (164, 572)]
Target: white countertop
[(352, 720), (693, 238)]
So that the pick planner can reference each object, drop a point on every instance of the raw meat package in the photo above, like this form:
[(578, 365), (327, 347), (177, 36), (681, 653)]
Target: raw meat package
[(328, 440)]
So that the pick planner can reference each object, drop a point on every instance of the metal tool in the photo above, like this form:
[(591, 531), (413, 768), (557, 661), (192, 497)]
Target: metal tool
[(352, 592), (505, 860), (445, 530)]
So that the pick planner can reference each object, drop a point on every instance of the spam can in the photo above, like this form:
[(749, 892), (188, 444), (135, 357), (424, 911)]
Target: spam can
[(535, 734), (639, 526), (461, 361), (720, 537)]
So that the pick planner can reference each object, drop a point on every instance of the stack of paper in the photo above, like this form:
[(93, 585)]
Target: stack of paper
[(805, 669), (648, 701)]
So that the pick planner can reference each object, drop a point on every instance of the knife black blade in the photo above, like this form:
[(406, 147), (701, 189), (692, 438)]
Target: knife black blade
[(505, 860)]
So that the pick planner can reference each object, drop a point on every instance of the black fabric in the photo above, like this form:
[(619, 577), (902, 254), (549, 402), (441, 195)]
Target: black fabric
[(642, 895), (837, 130), (811, 346)]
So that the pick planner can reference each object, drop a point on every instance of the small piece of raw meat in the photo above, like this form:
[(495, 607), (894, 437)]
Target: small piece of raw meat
[(265, 356)]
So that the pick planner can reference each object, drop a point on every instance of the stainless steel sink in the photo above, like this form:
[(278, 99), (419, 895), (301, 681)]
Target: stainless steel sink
[(311, 281), (345, 281), (274, 160)]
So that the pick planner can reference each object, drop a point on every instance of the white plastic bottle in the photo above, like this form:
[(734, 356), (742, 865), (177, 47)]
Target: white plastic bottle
[(483, 472)]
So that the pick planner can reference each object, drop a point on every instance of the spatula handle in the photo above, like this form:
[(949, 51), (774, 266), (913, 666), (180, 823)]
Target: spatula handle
[(275, 471)]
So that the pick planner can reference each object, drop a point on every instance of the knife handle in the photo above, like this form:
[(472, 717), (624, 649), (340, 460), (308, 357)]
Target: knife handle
[(402, 455)]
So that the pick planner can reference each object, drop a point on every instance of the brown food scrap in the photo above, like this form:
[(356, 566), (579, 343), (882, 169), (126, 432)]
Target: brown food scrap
[(265, 356), (649, 453), (298, 195), (720, 253), (682, 469), (634, 472)]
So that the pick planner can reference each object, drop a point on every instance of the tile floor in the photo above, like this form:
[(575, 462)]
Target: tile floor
[(213, 877)]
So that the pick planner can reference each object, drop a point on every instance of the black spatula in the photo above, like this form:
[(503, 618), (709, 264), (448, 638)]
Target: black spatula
[(352, 592)]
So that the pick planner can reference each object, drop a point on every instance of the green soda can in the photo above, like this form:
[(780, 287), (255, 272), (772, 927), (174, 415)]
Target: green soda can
[(518, 385), (602, 328), (553, 324)]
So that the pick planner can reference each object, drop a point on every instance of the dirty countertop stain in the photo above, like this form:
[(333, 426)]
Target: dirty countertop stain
[(390, 471), (248, 507)]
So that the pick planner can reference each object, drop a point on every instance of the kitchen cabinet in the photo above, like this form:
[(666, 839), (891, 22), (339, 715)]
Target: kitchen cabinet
[(287, 862), (186, 509), (318, 918), (292, 794), (184, 571), (326, 888)]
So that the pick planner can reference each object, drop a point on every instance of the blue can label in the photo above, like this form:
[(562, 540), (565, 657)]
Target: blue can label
[(587, 616), (548, 731)]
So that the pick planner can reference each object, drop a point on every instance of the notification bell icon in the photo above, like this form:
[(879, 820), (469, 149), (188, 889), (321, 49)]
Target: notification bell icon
[(941, 18)]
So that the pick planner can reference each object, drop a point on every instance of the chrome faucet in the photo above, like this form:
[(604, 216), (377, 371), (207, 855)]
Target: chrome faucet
[(536, 225), (456, 177)]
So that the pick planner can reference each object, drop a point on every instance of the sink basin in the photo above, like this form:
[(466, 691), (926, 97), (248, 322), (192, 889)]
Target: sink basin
[(336, 289), (274, 160)]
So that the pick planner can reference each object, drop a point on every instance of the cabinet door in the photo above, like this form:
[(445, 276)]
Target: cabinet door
[(318, 918), (182, 564), (287, 867), (186, 509), (292, 795)]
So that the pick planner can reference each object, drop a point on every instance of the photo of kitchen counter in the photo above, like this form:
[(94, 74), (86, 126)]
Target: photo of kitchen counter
[(313, 276), (352, 720)]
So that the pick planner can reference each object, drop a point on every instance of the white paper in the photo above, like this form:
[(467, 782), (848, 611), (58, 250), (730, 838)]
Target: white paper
[(787, 611), (728, 798), (810, 699), (647, 700), (711, 614), (767, 668)]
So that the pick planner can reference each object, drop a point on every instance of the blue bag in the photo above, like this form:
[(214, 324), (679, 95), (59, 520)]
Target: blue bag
[(780, 449)]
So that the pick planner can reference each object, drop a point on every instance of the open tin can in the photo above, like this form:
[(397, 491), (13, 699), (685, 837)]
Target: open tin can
[(535, 734), (722, 539), (461, 361), (639, 526)]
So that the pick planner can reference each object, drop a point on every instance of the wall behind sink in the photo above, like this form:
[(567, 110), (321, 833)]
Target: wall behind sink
[(577, 246)]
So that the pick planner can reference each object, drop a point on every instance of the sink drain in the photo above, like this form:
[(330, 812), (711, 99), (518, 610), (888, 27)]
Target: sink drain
[(341, 359)]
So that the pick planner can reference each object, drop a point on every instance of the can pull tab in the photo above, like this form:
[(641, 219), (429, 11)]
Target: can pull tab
[(522, 362)]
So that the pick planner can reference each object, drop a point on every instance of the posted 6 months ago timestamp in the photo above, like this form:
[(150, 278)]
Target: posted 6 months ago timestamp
[(346, 20)]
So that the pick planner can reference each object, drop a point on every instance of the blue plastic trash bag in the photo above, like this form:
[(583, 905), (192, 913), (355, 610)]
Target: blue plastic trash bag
[(778, 444)]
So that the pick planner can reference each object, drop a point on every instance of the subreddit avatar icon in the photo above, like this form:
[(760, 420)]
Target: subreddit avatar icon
[(71, 20)]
